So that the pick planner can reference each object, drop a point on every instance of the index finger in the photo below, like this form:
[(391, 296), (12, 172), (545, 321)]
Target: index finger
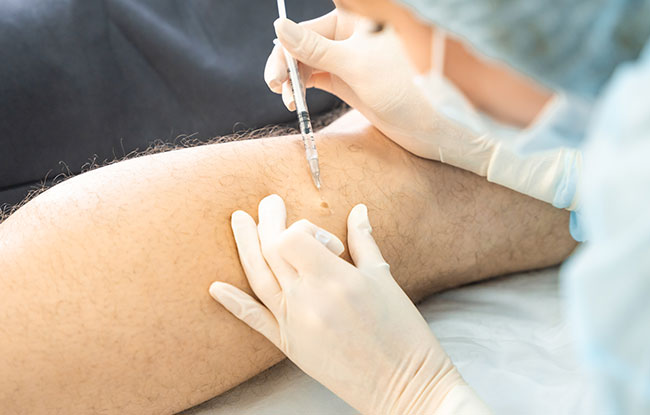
[(272, 217), (275, 71), (259, 276)]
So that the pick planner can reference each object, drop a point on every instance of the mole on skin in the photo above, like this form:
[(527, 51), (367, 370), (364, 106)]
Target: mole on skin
[(325, 209)]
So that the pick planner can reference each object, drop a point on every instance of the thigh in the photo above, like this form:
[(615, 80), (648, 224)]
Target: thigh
[(105, 276)]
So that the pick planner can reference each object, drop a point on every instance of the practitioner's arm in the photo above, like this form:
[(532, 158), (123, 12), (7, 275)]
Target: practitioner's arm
[(104, 278)]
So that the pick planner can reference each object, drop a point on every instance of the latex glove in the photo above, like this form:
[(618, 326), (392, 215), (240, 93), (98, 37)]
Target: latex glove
[(551, 175), (339, 53), (350, 327)]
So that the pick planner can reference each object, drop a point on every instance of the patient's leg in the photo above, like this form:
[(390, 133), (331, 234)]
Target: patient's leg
[(104, 304)]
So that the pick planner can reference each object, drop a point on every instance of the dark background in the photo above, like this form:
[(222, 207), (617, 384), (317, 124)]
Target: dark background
[(80, 78)]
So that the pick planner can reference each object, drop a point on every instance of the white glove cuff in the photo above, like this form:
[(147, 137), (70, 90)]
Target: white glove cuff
[(551, 176), (462, 400)]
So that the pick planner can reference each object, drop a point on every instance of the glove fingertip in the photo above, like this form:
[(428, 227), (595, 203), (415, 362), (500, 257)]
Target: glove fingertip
[(339, 248), (273, 78), (275, 71), (226, 295), (239, 219), (283, 25), (272, 206), (245, 308), (358, 218), (217, 289), (275, 86), (290, 104)]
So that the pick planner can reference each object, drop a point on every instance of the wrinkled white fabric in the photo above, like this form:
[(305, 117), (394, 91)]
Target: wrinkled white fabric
[(511, 329)]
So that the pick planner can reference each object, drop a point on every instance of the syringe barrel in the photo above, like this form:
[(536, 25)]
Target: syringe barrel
[(297, 87)]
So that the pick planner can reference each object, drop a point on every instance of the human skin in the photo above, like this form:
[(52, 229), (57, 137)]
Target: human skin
[(104, 282), (518, 98)]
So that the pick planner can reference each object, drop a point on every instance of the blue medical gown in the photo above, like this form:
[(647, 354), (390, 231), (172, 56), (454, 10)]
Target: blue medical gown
[(594, 51), (570, 45), (607, 281)]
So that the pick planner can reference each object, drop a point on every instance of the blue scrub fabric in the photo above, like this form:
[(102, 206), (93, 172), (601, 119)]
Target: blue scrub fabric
[(608, 280), (569, 45)]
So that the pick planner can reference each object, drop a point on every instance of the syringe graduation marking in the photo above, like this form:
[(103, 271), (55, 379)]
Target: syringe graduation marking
[(305, 122)]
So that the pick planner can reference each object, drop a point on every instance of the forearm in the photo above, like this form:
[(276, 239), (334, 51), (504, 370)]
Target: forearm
[(520, 99), (105, 276)]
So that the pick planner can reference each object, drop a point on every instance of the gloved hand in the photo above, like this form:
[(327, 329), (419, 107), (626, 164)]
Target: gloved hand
[(350, 327), (551, 175), (341, 54)]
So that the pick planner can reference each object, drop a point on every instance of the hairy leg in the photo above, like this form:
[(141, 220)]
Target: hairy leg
[(104, 277)]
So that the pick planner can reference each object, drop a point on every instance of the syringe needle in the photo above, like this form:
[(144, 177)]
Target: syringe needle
[(310, 146)]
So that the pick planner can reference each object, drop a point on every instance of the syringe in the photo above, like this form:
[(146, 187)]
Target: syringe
[(301, 108)]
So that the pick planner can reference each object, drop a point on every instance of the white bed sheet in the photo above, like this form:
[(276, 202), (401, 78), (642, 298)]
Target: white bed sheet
[(507, 337)]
